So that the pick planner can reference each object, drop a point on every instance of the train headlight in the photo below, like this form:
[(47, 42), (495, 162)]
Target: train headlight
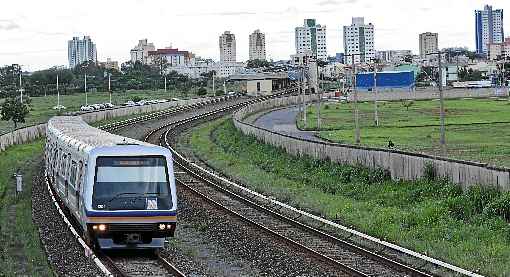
[(169, 226), (161, 226), (102, 227)]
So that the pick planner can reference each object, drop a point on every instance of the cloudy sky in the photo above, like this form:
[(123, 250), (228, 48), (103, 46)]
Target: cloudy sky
[(34, 33)]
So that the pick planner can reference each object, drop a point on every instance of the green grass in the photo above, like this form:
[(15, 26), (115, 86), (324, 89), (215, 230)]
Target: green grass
[(21, 252), (468, 229), (42, 106), (417, 129)]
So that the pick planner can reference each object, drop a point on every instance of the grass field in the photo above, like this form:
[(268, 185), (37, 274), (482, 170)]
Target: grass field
[(21, 253), (474, 128), (42, 110), (468, 229)]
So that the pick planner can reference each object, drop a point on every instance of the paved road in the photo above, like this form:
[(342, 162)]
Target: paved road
[(284, 121)]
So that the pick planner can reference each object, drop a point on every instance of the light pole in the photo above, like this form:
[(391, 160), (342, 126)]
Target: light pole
[(86, 96), (58, 96), (109, 87), (376, 112), (357, 132), (21, 90), (213, 82), (442, 138), (165, 83)]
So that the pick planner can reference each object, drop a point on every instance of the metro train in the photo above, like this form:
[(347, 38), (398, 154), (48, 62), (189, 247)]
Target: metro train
[(120, 191)]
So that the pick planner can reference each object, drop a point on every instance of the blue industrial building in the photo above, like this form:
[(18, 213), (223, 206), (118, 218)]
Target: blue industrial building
[(389, 80)]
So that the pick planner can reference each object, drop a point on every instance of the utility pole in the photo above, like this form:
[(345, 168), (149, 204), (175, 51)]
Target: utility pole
[(109, 86), (356, 110), (376, 113), (213, 82), (442, 140), (165, 83), (20, 88), (86, 96), (304, 95), (58, 96)]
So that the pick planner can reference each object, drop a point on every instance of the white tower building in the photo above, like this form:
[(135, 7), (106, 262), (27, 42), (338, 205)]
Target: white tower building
[(359, 42), (227, 47), (489, 28), (311, 40), (80, 51), (257, 46)]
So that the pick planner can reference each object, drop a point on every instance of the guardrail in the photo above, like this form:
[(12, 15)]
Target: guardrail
[(402, 165)]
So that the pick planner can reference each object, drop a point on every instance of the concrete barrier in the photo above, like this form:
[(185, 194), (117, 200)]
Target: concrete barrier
[(401, 165), (31, 133), (427, 94)]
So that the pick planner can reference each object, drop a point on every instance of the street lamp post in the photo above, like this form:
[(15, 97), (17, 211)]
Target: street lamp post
[(21, 90), (86, 96), (442, 140), (376, 112)]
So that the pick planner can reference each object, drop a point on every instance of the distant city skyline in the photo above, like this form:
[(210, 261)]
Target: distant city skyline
[(35, 35)]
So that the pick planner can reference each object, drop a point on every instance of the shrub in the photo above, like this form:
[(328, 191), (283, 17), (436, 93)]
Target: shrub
[(219, 93), (136, 99), (474, 202), (202, 91), (429, 172), (499, 207), (326, 107)]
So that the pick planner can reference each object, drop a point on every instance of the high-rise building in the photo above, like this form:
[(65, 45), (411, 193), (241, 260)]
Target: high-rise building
[(258, 46), (489, 28), (429, 43), (311, 40), (141, 51), (227, 47), (80, 51), (359, 42)]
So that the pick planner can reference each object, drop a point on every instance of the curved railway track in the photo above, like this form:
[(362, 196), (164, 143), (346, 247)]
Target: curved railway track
[(280, 221)]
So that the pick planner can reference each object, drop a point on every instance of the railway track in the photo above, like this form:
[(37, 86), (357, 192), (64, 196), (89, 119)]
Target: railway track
[(286, 223), (136, 265)]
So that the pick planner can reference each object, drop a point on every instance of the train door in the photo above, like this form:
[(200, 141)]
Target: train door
[(71, 186), (79, 185), (61, 174), (67, 169)]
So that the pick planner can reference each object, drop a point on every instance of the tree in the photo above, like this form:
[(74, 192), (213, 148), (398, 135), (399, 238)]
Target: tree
[(257, 64), (407, 104), (14, 110), (202, 91), (161, 63)]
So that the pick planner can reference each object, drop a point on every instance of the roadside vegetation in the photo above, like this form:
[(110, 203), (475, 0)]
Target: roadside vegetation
[(470, 229), (476, 129), (21, 252)]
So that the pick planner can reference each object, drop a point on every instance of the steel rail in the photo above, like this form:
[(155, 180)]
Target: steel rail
[(186, 165)]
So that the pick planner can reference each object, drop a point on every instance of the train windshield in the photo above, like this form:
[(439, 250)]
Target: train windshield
[(131, 183)]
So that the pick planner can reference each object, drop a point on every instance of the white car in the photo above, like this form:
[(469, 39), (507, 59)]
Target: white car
[(109, 105), (130, 104), (86, 108), (141, 103), (59, 107), (175, 99), (232, 93), (96, 106), (162, 100)]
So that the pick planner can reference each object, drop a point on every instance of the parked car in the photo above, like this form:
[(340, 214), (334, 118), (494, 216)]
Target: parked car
[(175, 99), (162, 100), (86, 108), (141, 103), (130, 104), (96, 106), (59, 107), (109, 105)]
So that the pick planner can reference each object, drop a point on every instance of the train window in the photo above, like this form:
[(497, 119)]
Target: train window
[(80, 176), (72, 174), (61, 169), (141, 180)]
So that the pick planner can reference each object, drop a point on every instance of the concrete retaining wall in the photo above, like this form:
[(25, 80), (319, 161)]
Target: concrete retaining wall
[(32, 133), (426, 94), (401, 165)]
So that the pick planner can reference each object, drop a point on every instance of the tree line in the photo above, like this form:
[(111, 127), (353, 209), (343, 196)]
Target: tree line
[(132, 76)]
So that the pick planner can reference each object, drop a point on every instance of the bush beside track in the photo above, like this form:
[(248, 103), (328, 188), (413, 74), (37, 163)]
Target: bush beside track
[(467, 229)]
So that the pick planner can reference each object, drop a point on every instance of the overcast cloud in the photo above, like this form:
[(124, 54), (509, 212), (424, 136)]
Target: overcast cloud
[(34, 33)]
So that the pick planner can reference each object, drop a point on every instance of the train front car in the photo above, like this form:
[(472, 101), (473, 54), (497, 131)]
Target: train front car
[(132, 199), (131, 202)]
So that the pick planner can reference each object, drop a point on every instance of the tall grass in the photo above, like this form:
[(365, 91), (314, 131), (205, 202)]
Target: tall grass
[(469, 229)]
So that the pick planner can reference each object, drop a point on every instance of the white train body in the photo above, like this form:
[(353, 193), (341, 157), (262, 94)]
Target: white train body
[(119, 190)]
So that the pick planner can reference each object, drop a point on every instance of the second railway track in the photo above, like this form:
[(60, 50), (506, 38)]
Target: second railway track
[(341, 252)]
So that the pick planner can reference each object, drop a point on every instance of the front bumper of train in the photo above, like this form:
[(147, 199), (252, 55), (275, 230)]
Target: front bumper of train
[(131, 235)]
